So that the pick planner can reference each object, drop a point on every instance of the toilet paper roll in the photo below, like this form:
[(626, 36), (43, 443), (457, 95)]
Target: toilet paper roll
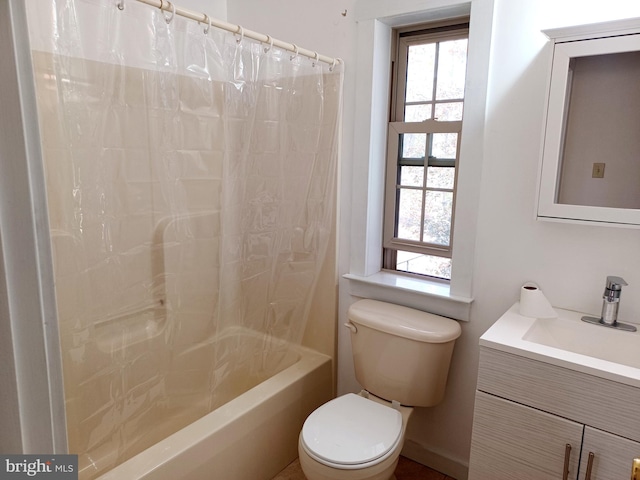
[(533, 303)]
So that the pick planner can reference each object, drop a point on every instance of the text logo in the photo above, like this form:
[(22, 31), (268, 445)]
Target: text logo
[(49, 467)]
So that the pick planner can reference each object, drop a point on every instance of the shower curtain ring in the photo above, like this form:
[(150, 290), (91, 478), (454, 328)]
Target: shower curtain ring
[(173, 12), (241, 32), (295, 53), (270, 40), (208, 27), (315, 59), (333, 65), (120, 5)]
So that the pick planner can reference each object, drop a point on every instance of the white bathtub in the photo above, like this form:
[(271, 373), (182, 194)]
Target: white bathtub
[(252, 437)]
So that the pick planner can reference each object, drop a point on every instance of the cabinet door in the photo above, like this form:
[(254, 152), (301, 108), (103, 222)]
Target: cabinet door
[(511, 441), (612, 455)]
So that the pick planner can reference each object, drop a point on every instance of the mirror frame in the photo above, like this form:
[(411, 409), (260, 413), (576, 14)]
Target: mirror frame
[(584, 40)]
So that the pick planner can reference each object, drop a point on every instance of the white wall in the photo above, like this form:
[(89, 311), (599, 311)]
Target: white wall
[(213, 8), (569, 262), (32, 402)]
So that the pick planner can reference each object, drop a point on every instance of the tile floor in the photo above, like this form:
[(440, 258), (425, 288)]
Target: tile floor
[(406, 470)]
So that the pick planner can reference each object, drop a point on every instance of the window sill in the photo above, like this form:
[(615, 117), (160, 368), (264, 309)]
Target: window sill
[(423, 294)]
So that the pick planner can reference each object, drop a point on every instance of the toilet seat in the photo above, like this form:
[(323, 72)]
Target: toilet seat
[(351, 432)]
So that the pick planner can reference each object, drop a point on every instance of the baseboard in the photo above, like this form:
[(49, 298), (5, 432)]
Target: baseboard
[(437, 461)]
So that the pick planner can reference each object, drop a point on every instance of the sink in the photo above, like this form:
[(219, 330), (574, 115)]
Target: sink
[(585, 339), (568, 342)]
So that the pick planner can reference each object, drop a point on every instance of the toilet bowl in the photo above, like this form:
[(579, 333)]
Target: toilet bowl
[(401, 358), (353, 437)]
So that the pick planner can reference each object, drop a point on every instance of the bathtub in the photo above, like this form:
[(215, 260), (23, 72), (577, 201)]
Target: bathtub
[(251, 437)]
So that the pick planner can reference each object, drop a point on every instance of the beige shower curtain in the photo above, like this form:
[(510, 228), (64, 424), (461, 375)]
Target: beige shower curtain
[(191, 193)]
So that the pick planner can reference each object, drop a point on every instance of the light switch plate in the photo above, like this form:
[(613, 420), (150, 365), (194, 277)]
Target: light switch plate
[(598, 170)]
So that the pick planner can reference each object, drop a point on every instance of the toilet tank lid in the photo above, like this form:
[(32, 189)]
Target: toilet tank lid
[(404, 321)]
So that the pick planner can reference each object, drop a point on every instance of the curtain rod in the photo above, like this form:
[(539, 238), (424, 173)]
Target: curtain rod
[(236, 29)]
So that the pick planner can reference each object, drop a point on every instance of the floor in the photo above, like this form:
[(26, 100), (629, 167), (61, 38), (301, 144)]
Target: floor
[(406, 470)]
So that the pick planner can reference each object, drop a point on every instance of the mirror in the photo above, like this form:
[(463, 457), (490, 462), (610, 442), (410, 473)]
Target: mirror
[(591, 152)]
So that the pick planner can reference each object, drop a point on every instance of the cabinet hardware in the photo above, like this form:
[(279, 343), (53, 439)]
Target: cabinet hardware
[(635, 469), (587, 475), (567, 457)]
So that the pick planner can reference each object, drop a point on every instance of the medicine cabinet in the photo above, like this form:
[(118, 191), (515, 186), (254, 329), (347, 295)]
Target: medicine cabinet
[(590, 170)]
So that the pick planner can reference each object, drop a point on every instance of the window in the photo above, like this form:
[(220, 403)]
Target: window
[(423, 149)]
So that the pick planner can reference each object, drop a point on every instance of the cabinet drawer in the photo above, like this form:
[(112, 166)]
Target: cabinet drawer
[(601, 403)]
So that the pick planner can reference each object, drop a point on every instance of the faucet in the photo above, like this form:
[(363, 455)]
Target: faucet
[(611, 299), (610, 304)]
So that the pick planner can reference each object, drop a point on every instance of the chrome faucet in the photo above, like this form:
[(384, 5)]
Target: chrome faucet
[(611, 299), (610, 304)]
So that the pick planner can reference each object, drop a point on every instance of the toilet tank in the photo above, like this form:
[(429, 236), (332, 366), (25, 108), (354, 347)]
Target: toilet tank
[(400, 353)]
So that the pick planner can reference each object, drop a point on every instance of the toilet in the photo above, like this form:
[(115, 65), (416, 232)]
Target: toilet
[(401, 358)]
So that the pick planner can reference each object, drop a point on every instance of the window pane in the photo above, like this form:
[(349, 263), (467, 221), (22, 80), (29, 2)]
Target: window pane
[(409, 214), (414, 145), (417, 113), (423, 264), (411, 176), (420, 66), (444, 145), (448, 112), (441, 177), (452, 66), (438, 209)]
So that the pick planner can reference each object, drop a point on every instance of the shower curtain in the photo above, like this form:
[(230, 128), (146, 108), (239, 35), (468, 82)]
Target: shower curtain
[(191, 192)]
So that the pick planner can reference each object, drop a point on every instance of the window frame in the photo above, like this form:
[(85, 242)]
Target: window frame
[(390, 240), (451, 29), (365, 146)]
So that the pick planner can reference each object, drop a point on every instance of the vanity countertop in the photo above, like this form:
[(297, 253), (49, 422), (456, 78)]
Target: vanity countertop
[(568, 342)]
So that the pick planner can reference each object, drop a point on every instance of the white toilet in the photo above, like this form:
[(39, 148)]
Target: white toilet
[(401, 358)]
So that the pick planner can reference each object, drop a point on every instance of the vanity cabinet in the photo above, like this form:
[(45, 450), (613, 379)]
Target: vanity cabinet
[(538, 421)]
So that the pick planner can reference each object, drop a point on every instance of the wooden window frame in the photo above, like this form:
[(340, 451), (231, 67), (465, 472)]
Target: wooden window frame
[(444, 31)]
